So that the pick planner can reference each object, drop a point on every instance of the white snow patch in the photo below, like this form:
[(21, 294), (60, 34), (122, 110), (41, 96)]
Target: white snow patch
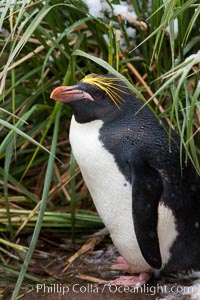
[(131, 32), (193, 56), (120, 9), (132, 14), (106, 38), (123, 44), (95, 8), (149, 5), (98, 8), (106, 7), (191, 60), (175, 27)]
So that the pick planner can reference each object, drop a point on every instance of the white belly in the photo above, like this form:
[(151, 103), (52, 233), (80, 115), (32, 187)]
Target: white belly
[(112, 195)]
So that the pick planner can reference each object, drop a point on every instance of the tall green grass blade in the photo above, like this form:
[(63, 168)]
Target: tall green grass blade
[(13, 245), (23, 190), (117, 48), (72, 196), (4, 12), (27, 276), (48, 125), (26, 35), (61, 36), (45, 194), (5, 187), (21, 133), (191, 24), (110, 45)]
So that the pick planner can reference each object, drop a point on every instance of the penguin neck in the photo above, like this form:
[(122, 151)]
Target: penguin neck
[(88, 116), (85, 112)]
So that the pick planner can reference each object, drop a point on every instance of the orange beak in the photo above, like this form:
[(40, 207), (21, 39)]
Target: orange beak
[(69, 94)]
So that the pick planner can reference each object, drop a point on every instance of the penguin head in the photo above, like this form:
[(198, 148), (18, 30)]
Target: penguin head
[(94, 97)]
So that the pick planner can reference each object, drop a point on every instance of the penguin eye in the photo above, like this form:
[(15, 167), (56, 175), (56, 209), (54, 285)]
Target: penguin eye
[(98, 96)]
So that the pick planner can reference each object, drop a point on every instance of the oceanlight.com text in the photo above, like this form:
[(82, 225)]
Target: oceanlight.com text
[(62, 289)]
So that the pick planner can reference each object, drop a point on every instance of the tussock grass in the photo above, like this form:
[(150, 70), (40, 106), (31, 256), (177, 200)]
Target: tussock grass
[(47, 43)]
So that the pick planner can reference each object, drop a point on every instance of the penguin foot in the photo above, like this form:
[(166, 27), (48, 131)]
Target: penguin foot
[(132, 280), (121, 264)]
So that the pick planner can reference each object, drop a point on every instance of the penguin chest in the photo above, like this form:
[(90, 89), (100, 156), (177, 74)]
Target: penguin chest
[(110, 190), (112, 196)]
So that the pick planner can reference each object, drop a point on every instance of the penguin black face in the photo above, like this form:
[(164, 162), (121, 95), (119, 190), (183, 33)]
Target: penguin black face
[(93, 98)]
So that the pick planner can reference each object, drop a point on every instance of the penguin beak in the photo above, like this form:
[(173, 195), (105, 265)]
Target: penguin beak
[(69, 94)]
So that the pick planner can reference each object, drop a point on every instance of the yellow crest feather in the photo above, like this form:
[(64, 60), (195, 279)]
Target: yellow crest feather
[(109, 85)]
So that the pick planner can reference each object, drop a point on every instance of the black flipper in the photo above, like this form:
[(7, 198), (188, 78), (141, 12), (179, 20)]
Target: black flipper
[(146, 192)]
